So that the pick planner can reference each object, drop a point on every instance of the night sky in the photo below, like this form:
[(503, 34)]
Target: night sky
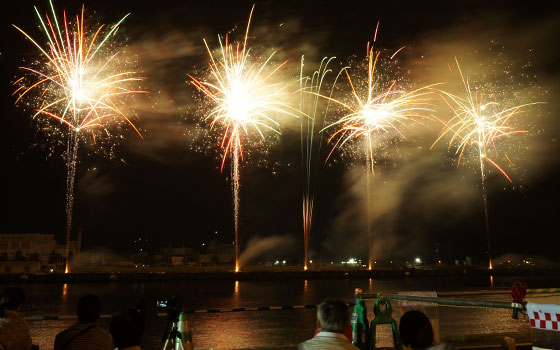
[(168, 187)]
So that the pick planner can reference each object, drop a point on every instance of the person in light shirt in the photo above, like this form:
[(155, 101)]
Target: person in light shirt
[(332, 320)]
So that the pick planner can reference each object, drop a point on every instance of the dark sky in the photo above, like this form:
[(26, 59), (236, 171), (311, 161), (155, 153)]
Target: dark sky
[(169, 188)]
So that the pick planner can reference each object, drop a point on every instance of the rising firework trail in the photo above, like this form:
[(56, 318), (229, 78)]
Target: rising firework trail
[(245, 98), (77, 86), (380, 109), (314, 113), (479, 122)]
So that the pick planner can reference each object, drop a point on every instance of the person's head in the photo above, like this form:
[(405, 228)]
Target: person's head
[(89, 308), (333, 316), (127, 327), (12, 298), (416, 330)]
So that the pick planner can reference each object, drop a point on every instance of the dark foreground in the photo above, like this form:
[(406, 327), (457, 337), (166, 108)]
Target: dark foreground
[(222, 329)]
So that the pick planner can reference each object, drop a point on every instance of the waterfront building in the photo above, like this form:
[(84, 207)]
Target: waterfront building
[(38, 247)]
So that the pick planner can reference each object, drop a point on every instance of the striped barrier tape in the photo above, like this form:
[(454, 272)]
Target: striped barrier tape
[(442, 302), (544, 291), (187, 311)]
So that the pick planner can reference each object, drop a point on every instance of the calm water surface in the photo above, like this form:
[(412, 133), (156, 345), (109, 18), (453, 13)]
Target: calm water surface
[(270, 328)]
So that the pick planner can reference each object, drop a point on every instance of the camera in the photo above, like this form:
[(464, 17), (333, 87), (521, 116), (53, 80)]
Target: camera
[(173, 310), (170, 305)]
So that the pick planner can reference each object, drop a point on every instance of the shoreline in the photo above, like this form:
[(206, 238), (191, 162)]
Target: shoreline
[(263, 274)]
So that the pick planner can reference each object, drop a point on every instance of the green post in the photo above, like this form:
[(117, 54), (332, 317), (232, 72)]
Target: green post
[(183, 332), (359, 321), (384, 317)]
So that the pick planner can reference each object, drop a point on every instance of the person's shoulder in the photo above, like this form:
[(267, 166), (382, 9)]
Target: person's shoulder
[(15, 319), (308, 344), (73, 328), (318, 343), (100, 332), (65, 333)]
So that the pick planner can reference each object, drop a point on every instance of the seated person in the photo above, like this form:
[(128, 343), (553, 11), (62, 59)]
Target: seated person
[(85, 334), (416, 332), (14, 331), (127, 328), (332, 320)]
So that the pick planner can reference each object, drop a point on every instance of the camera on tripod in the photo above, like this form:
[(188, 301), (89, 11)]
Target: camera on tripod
[(170, 305), (172, 336)]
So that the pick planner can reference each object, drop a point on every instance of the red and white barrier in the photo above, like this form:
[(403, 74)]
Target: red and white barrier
[(544, 316)]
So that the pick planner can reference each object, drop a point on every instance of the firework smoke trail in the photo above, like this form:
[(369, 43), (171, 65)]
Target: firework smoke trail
[(380, 110), (244, 98), (310, 92), (78, 86), (479, 123)]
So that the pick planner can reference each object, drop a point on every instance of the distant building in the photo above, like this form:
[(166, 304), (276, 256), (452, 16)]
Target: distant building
[(177, 260), (218, 253), (20, 266), (22, 246), (215, 248), (27, 244), (205, 259)]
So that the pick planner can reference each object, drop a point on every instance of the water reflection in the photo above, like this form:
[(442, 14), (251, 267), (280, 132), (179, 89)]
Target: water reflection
[(491, 282), (64, 291), (371, 284), (305, 286), (235, 298)]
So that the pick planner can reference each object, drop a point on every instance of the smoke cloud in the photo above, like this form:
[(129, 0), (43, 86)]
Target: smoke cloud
[(258, 247)]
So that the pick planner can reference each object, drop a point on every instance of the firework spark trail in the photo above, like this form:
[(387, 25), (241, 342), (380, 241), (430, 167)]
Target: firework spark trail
[(380, 110), (72, 157), (245, 97), (78, 85), (310, 92), (235, 192), (481, 124)]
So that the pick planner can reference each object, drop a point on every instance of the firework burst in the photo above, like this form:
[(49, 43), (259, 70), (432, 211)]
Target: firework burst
[(479, 122), (246, 98), (382, 108), (77, 83)]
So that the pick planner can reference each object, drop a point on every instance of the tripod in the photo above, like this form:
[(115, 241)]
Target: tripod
[(174, 338)]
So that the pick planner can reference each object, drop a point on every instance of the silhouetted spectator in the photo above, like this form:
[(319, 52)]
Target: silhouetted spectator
[(332, 320), (127, 328), (85, 334), (14, 331), (416, 332)]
